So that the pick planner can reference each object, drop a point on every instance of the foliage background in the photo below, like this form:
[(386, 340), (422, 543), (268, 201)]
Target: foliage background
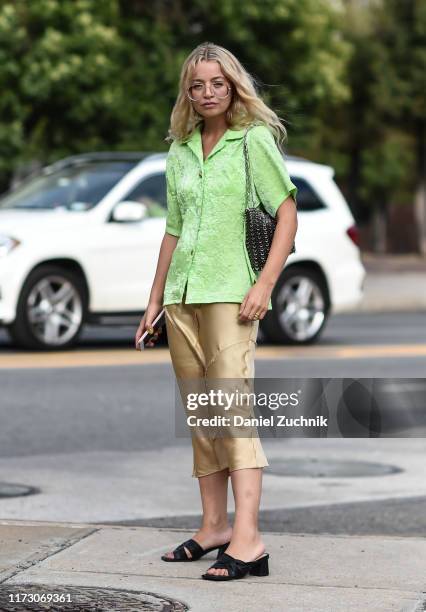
[(347, 77)]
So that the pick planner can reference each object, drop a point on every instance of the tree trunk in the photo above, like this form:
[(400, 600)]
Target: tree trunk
[(420, 193), (379, 228)]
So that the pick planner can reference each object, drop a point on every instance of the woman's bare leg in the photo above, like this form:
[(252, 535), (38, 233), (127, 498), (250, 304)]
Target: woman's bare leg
[(246, 543), (215, 528)]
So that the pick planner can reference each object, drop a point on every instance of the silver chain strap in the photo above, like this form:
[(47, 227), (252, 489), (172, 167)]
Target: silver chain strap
[(249, 191)]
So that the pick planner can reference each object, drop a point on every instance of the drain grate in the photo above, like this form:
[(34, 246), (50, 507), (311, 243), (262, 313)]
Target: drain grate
[(421, 606), (63, 598), (10, 489)]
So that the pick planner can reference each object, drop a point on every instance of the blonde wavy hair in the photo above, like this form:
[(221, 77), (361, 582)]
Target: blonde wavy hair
[(246, 105)]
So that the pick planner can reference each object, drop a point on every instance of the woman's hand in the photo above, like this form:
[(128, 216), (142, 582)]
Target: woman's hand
[(154, 308), (256, 300)]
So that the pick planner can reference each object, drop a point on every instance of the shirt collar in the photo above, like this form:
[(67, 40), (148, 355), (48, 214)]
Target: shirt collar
[(230, 134), (195, 144)]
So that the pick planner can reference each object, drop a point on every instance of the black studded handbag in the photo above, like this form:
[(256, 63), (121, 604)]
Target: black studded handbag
[(259, 224)]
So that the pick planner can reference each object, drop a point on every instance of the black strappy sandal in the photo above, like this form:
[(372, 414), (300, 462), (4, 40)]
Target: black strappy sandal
[(197, 551), (238, 569)]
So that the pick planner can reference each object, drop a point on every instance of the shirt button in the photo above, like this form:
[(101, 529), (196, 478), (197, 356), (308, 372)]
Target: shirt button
[(200, 174), (192, 251)]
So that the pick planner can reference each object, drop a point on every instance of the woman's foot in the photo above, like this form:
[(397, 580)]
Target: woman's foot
[(247, 547), (208, 537)]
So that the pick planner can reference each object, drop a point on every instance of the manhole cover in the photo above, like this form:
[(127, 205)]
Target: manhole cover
[(40, 597), (421, 606), (10, 489), (320, 468)]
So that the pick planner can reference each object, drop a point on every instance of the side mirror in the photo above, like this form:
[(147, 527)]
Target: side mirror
[(129, 212)]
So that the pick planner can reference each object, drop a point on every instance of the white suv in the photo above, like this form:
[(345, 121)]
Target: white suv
[(79, 244)]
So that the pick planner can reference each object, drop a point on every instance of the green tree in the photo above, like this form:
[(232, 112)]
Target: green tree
[(293, 48), (377, 135), (58, 77), (399, 86), (80, 75)]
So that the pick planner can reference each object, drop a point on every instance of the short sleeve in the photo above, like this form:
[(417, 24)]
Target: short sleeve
[(173, 218), (269, 172)]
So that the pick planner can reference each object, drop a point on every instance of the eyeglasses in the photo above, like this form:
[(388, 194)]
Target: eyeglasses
[(220, 89)]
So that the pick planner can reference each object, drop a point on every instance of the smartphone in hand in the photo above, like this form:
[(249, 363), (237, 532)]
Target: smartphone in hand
[(158, 322)]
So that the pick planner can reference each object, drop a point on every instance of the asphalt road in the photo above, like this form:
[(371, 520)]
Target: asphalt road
[(128, 408), (66, 409), (354, 328)]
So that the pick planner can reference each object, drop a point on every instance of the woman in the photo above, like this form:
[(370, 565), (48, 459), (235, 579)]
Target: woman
[(212, 298)]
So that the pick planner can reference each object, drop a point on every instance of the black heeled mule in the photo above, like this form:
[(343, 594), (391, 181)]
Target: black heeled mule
[(238, 568), (197, 551)]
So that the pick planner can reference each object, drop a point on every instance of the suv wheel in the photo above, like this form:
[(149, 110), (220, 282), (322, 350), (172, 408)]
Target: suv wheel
[(51, 309), (300, 307)]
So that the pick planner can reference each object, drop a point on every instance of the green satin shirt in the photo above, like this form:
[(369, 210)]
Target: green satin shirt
[(205, 208)]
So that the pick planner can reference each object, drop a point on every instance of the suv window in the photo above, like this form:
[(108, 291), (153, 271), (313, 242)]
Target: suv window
[(152, 191), (75, 187), (307, 199)]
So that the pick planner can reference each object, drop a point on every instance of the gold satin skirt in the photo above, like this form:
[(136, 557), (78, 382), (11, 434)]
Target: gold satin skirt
[(206, 342)]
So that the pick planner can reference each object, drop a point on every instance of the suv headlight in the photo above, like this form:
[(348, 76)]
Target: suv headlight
[(7, 244)]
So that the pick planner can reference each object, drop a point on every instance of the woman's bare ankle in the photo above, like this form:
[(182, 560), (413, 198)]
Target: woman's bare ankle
[(215, 532), (215, 525)]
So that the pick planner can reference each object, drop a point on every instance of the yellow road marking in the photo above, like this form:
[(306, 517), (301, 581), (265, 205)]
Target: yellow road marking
[(83, 357), (129, 356), (345, 351)]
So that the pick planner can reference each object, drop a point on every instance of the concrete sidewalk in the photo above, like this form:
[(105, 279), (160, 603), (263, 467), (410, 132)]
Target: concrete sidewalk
[(393, 282), (320, 573)]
